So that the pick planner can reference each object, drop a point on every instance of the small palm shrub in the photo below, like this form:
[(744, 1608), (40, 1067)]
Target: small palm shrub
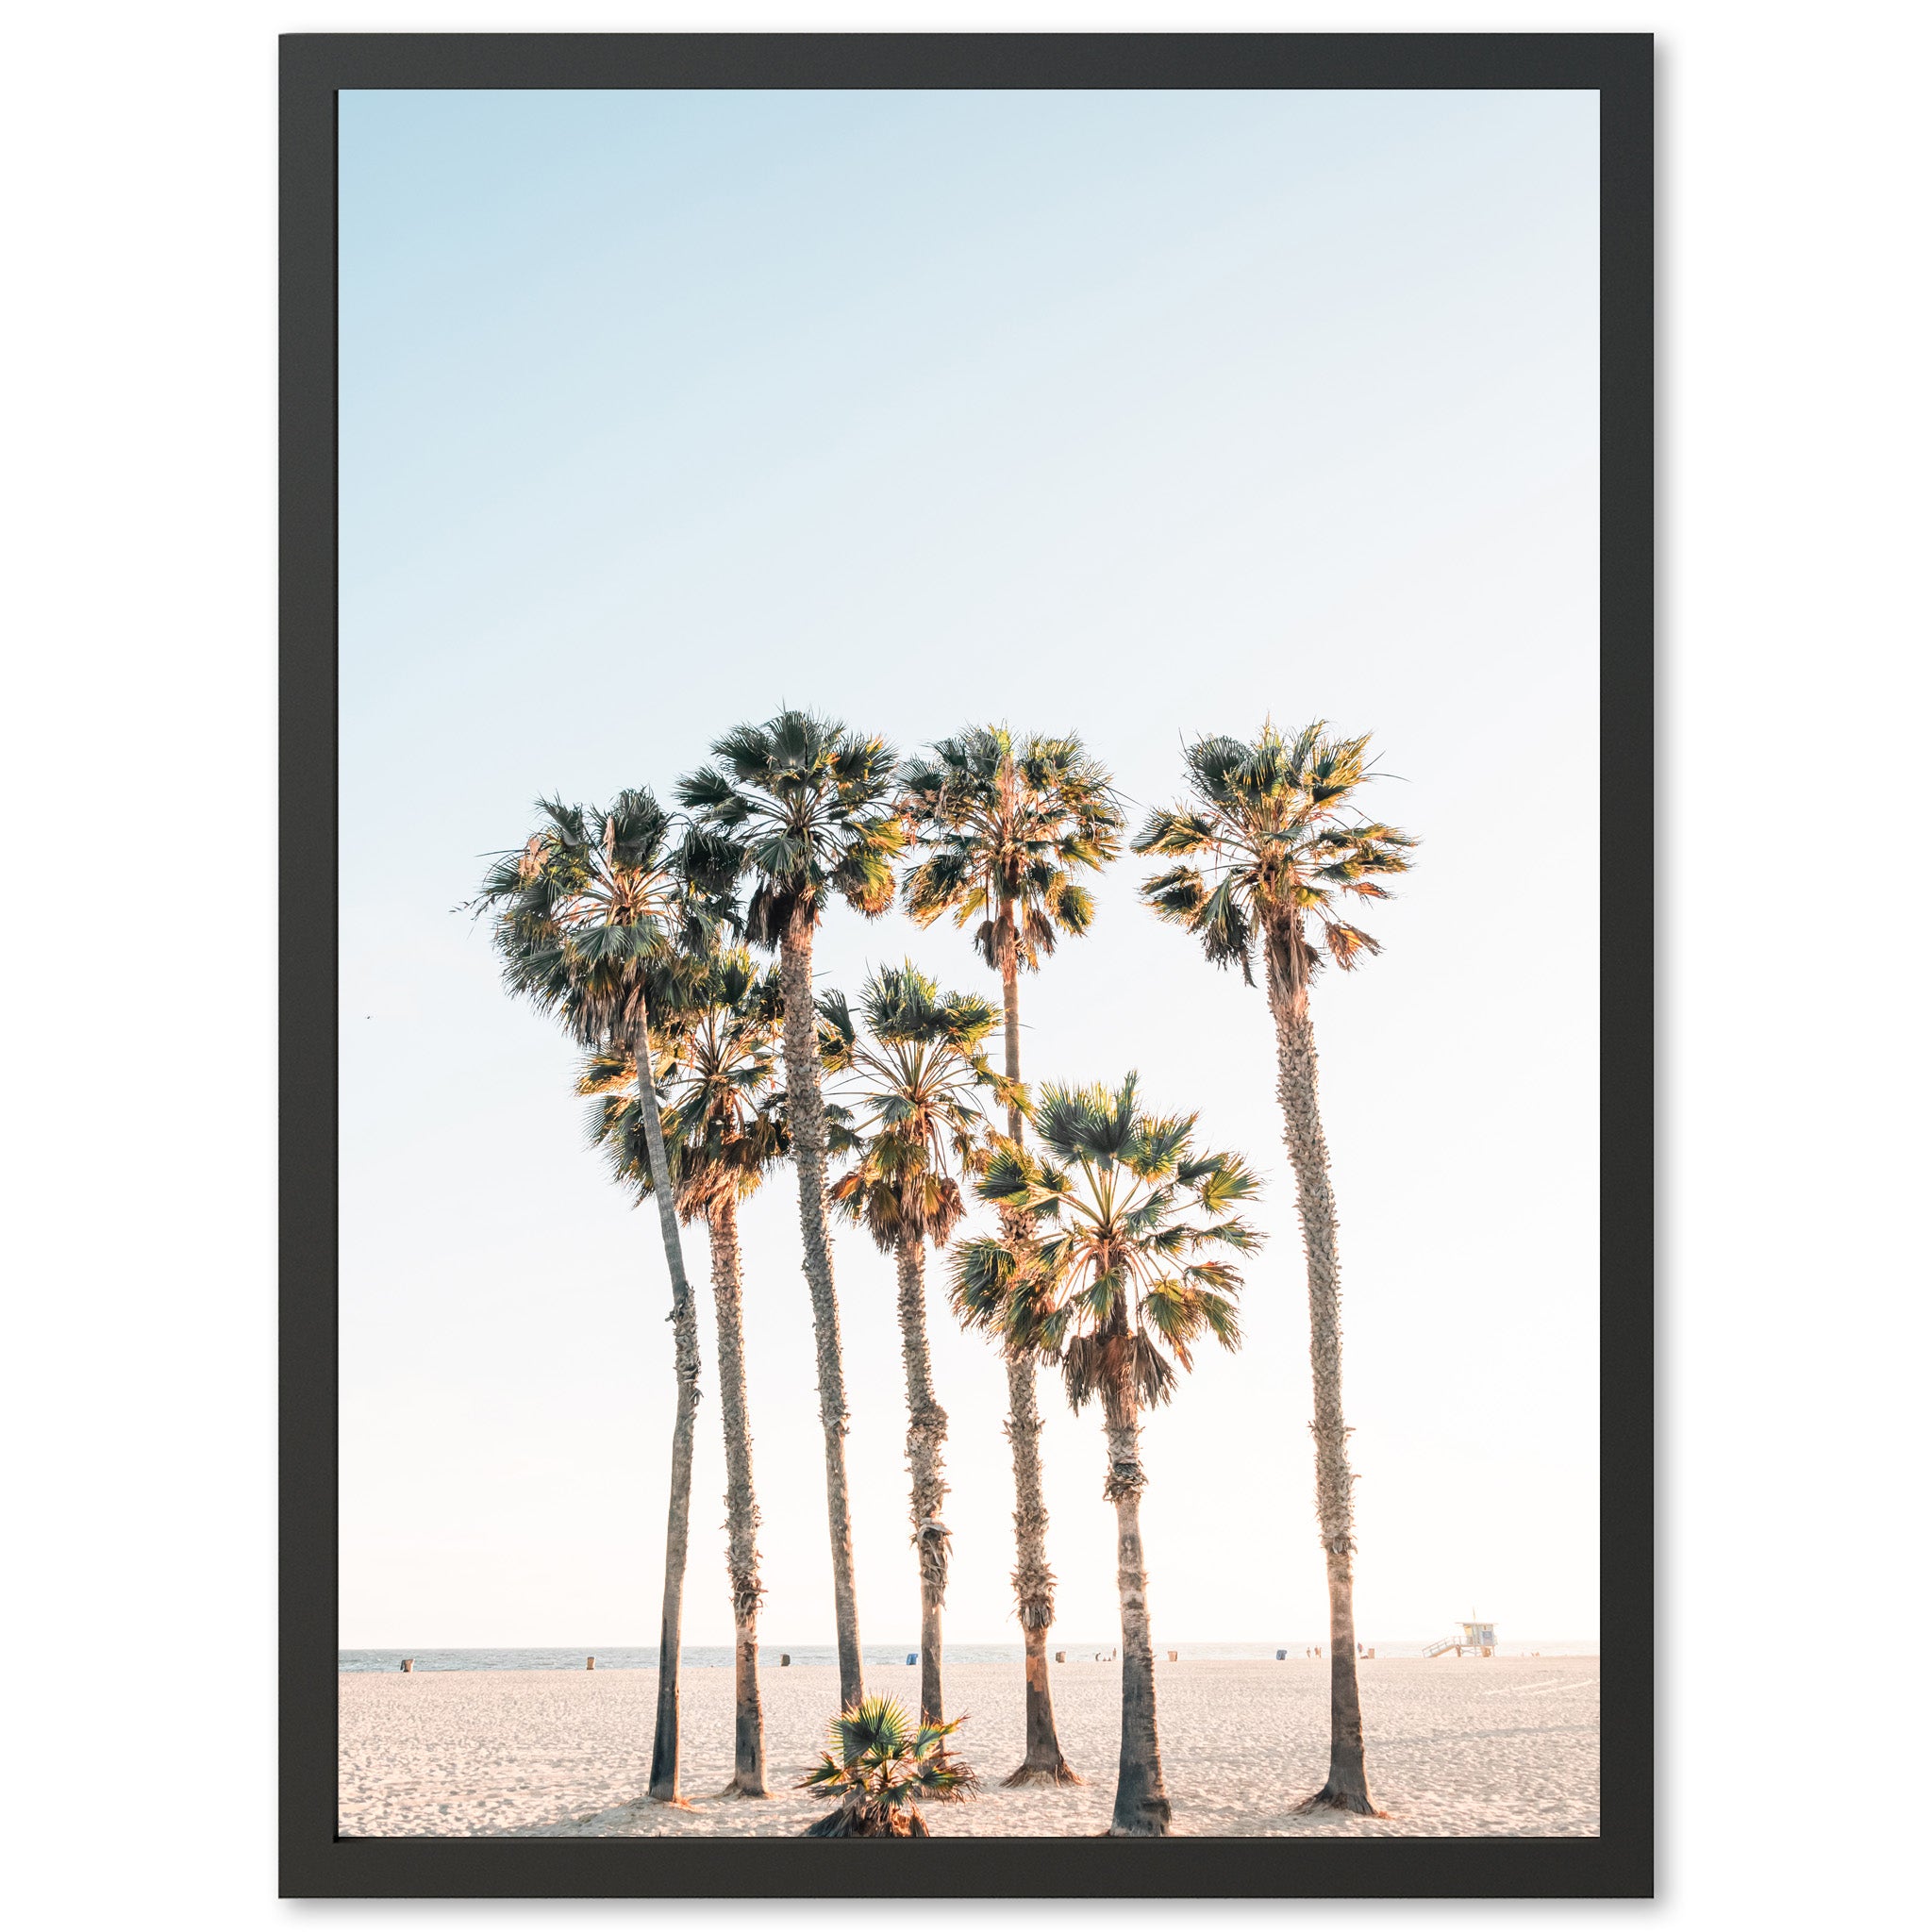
[(881, 1767)]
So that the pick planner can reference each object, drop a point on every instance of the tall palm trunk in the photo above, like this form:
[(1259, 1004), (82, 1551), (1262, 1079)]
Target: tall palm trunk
[(1033, 1578), (806, 1107), (740, 1504), (684, 1329), (926, 1434), (1141, 1809), (1347, 1788)]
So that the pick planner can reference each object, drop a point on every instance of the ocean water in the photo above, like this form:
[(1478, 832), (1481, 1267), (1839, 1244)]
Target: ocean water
[(699, 1657)]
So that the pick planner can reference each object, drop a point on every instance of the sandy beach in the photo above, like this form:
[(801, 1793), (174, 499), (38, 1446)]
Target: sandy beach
[(1499, 1746)]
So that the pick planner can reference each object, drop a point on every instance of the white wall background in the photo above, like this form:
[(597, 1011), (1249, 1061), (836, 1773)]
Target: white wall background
[(139, 617)]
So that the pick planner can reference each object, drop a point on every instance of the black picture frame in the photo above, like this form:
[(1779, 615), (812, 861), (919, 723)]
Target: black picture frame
[(316, 1860)]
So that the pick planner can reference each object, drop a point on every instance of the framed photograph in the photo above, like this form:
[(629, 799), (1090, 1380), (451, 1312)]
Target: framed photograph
[(963, 1158)]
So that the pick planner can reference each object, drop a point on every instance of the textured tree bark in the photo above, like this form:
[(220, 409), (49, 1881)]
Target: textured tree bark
[(1140, 1807), (925, 1435), (1009, 1002), (1033, 1579), (1347, 1787), (804, 1100), (740, 1504), (684, 1329), (1033, 1582)]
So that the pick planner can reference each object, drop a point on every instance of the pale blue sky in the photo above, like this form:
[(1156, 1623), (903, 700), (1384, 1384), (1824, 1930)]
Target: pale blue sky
[(1140, 415)]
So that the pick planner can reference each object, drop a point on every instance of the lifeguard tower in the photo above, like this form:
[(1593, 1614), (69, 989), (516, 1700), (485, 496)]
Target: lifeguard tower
[(1477, 1637)]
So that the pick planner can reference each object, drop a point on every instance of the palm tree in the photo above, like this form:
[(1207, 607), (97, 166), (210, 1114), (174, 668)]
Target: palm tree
[(590, 914), (803, 803), (723, 1132), (1272, 838), (881, 1766), (1004, 827), (1114, 1296), (917, 1120)]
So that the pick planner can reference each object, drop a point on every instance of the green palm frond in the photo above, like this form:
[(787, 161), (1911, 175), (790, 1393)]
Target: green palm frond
[(982, 1276), (875, 1727), (1175, 833), (838, 1031), (710, 792), (606, 1073), (1221, 1180)]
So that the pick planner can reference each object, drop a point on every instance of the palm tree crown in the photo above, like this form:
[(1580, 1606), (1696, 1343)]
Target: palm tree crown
[(1006, 825), (915, 1075), (717, 1073), (599, 910), (1274, 838), (1114, 1292), (805, 805)]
